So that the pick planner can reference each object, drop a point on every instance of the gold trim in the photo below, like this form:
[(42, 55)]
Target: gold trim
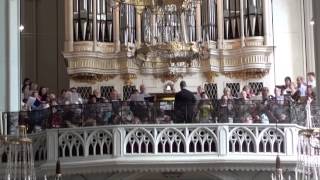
[(92, 78)]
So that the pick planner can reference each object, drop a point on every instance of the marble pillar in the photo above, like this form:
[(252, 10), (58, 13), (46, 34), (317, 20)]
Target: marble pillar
[(9, 58)]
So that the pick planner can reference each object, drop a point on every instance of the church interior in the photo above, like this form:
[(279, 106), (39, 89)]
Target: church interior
[(159, 89)]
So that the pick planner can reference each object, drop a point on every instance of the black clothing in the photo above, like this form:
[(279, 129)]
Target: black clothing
[(184, 106)]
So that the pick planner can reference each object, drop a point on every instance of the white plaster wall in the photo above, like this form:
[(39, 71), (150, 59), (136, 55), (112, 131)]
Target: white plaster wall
[(288, 39)]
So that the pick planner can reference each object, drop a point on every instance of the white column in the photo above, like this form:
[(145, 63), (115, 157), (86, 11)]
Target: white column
[(10, 57), (220, 22), (198, 21), (116, 27), (267, 22), (68, 26), (242, 23)]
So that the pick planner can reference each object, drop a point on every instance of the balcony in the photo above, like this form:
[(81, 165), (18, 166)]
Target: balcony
[(165, 148)]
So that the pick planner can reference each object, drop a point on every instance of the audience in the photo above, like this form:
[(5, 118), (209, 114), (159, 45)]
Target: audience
[(138, 109)]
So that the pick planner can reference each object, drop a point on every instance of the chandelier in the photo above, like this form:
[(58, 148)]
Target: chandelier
[(19, 156), (308, 167)]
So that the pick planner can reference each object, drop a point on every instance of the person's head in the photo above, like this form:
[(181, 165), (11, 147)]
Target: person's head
[(227, 91), (135, 91), (142, 88), (96, 93), (203, 95), (63, 93), (183, 84), (300, 80), (73, 90), (26, 81), (43, 91), (52, 97), (287, 81), (311, 76), (92, 99), (34, 94), (114, 95), (265, 92), (247, 89), (244, 95), (34, 87)]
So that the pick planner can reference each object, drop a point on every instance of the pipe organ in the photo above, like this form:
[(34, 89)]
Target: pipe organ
[(131, 37)]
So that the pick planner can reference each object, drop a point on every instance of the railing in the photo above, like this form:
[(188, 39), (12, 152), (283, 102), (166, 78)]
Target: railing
[(124, 112), (121, 145)]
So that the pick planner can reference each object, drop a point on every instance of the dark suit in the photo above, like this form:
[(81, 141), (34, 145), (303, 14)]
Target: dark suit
[(184, 106)]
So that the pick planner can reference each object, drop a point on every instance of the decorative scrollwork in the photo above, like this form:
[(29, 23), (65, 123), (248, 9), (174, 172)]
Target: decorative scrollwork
[(139, 141), (203, 140), (271, 140), (171, 141), (241, 140), (100, 143), (71, 145)]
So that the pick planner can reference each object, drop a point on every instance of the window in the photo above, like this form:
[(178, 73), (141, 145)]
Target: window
[(104, 21), (256, 87), (211, 90), (106, 91), (235, 88), (82, 20), (127, 91), (84, 92)]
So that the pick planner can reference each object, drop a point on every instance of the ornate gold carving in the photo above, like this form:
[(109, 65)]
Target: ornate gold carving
[(105, 47), (247, 74), (128, 78), (92, 78), (210, 75), (169, 87), (169, 76), (83, 46)]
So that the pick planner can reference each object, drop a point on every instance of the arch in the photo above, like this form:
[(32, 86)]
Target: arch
[(139, 143), (172, 142), (208, 145), (242, 141)]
